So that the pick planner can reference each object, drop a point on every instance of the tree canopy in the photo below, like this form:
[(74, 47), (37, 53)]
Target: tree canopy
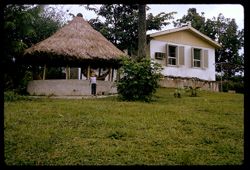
[(225, 31), (121, 24), (24, 25)]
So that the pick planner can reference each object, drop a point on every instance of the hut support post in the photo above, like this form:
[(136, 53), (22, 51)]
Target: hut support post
[(117, 74), (99, 73), (66, 76), (44, 71), (112, 74), (88, 72), (67, 72), (79, 73), (109, 77)]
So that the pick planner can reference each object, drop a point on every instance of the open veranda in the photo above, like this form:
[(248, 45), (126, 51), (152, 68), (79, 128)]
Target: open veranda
[(203, 130)]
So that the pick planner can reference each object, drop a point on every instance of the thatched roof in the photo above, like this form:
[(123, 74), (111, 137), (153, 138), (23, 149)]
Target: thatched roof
[(76, 42)]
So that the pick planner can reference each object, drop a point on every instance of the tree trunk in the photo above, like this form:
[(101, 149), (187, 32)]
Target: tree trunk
[(142, 32)]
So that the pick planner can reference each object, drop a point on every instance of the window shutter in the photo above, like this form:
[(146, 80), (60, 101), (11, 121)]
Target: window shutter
[(205, 58), (166, 55), (192, 57), (177, 55), (181, 55), (202, 58)]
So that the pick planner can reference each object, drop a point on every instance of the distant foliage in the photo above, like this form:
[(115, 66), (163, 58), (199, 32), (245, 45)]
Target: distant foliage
[(195, 86), (225, 31), (11, 96), (22, 87), (24, 26), (139, 79), (121, 24), (238, 87)]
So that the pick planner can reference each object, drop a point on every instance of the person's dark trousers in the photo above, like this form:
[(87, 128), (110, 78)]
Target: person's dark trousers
[(93, 89)]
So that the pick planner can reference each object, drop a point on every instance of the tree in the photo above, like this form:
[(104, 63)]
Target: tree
[(197, 20), (225, 31), (231, 40), (142, 32), (24, 25), (120, 25)]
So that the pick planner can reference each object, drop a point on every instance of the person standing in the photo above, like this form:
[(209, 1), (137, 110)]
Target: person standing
[(92, 82)]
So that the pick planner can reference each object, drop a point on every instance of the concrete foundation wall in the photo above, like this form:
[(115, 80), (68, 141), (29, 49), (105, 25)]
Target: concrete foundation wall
[(82, 87), (182, 82), (69, 87)]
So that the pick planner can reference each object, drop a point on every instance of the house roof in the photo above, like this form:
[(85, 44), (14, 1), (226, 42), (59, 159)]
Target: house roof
[(190, 29), (76, 41)]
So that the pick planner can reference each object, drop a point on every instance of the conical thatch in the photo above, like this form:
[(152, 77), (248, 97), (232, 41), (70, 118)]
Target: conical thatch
[(77, 42)]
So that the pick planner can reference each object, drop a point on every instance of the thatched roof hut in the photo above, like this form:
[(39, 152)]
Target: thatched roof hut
[(75, 44)]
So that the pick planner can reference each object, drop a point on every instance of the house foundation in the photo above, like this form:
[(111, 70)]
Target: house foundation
[(181, 82)]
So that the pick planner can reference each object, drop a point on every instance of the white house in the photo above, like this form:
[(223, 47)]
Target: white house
[(184, 53)]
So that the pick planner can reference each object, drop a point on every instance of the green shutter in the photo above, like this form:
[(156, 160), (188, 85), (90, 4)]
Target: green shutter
[(177, 55), (205, 58), (181, 55), (192, 57), (166, 59), (202, 58)]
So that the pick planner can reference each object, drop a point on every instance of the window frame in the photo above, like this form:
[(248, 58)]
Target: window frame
[(195, 60), (171, 58)]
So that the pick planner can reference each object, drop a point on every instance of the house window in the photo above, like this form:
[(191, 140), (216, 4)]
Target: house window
[(197, 57), (159, 55), (172, 55)]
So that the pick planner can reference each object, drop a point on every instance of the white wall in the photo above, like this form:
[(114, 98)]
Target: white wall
[(185, 70), (71, 87)]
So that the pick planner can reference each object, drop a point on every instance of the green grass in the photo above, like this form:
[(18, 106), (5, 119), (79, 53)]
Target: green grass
[(203, 130)]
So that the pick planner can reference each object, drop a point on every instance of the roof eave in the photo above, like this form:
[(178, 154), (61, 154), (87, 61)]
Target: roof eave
[(204, 37), (168, 31)]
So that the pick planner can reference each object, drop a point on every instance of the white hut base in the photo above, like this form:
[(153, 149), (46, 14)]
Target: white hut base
[(69, 87)]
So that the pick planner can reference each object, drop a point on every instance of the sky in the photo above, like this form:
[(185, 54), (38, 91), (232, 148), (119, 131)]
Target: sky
[(210, 10)]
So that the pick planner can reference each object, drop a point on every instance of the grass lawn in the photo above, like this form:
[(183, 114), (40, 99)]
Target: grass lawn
[(203, 130)]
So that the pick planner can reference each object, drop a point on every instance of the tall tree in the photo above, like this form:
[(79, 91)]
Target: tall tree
[(225, 31), (121, 24), (232, 41), (142, 32), (24, 25), (197, 20)]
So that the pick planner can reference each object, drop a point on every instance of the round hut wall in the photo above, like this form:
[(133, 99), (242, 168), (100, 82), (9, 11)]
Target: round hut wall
[(76, 82)]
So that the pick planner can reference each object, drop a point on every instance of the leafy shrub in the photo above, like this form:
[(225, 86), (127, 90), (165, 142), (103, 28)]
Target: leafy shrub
[(139, 79), (232, 85), (178, 92), (12, 96), (22, 88), (239, 87), (193, 89)]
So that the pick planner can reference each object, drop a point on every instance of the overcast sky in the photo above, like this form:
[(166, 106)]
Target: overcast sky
[(228, 10)]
